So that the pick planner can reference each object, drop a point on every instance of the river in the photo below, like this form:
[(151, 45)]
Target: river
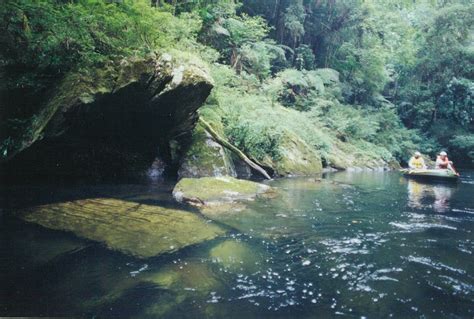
[(351, 244)]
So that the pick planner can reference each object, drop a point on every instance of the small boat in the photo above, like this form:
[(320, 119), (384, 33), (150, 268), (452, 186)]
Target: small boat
[(431, 174)]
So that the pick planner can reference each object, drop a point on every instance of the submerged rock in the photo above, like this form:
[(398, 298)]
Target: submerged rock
[(185, 275), (236, 256), (217, 190), (187, 281), (140, 230)]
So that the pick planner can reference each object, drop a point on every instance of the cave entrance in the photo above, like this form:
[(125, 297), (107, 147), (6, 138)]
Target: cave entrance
[(128, 133)]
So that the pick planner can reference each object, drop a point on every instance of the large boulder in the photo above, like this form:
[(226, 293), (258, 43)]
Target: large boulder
[(217, 190), (205, 157), (112, 120), (345, 156), (297, 157), (132, 228)]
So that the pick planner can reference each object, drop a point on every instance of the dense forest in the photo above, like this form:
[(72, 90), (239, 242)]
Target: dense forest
[(354, 81)]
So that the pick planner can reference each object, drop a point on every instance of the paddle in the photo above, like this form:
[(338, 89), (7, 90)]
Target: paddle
[(451, 166)]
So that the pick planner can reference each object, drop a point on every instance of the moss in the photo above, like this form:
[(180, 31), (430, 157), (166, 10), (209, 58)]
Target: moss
[(359, 154), (209, 190), (184, 282), (297, 158), (82, 87), (136, 229), (186, 274), (236, 256), (205, 157)]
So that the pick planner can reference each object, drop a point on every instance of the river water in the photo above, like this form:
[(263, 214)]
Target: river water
[(353, 244)]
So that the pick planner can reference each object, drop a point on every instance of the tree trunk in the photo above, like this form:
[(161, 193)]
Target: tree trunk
[(233, 149)]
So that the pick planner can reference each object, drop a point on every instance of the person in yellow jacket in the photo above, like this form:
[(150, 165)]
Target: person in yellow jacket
[(417, 162)]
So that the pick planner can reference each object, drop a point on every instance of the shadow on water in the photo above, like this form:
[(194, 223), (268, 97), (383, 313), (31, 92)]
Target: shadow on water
[(352, 244), (144, 192)]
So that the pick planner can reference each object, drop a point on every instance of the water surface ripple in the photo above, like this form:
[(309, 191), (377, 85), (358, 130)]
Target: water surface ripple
[(354, 244)]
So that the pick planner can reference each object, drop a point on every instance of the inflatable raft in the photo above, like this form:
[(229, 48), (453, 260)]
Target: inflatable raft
[(431, 174)]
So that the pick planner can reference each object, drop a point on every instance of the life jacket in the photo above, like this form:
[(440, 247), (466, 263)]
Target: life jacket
[(417, 162)]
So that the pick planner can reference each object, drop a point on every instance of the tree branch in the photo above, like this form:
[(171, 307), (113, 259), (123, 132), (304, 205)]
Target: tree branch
[(232, 148)]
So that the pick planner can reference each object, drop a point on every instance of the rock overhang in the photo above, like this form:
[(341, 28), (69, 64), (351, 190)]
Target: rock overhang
[(125, 114)]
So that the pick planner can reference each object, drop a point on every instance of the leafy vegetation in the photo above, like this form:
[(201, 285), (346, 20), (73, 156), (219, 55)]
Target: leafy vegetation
[(374, 77)]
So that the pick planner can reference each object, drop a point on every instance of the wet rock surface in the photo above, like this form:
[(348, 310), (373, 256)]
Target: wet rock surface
[(214, 191), (136, 229), (206, 157)]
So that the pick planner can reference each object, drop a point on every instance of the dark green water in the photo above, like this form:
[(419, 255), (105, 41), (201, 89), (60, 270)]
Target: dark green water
[(354, 245)]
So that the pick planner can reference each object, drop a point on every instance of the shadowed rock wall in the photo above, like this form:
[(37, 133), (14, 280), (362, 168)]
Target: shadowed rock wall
[(111, 122)]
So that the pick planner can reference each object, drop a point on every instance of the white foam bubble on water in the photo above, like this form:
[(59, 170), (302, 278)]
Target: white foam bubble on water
[(420, 226), (416, 216), (306, 263), (465, 210), (136, 272), (433, 264), (457, 285)]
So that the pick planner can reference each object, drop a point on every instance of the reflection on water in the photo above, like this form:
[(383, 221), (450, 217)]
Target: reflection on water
[(353, 244), (436, 196), (442, 196)]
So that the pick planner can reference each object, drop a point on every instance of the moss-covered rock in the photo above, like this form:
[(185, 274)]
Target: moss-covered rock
[(236, 256), (112, 120), (194, 275), (185, 282), (297, 157), (217, 190), (205, 157), (136, 229), (348, 156)]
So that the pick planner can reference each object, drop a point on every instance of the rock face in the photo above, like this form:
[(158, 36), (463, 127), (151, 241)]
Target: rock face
[(111, 120), (344, 156), (297, 158), (217, 190), (205, 157), (136, 229)]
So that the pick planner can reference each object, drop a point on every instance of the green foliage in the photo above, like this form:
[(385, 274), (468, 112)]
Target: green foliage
[(256, 122), (42, 40), (462, 146), (349, 122), (296, 89), (436, 91), (373, 76), (246, 29), (457, 102), (294, 21), (364, 70), (259, 57), (304, 58), (242, 40), (256, 139)]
